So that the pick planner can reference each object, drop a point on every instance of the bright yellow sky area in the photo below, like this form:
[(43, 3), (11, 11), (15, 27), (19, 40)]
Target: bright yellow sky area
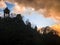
[(56, 27)]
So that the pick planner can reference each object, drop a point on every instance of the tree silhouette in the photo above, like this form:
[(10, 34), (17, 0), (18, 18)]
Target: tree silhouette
[(13, 31), (6, 12)]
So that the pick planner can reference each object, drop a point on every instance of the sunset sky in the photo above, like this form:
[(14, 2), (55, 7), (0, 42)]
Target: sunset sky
[(39, 12)]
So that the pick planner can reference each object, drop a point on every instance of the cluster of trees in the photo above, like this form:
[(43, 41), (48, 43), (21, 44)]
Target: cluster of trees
[(13, 31), (49, 36)]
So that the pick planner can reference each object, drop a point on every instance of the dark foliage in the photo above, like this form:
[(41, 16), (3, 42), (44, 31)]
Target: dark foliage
[(13, 31)]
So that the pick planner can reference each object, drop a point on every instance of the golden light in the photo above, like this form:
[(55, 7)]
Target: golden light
[(56, 27)]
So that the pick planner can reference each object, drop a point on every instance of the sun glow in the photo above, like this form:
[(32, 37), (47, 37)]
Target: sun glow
[(56, 27)]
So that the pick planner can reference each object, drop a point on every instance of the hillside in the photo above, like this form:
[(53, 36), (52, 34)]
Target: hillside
[(13, 31)]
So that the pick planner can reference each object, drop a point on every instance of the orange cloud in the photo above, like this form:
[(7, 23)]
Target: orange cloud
[(2, 4), (53, 14)]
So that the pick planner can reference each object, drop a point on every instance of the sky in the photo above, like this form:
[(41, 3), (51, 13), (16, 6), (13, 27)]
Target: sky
[(39, 12)]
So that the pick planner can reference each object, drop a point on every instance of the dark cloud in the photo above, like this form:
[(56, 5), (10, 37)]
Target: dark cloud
[(37, 4), (40, 4)]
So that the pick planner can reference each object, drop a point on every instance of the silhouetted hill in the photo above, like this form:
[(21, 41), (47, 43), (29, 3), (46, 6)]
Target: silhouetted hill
[(13, 31)]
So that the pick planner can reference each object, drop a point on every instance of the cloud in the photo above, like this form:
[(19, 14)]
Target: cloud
[(18, 8), (2, 4), (39, 4), (49, 8)]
